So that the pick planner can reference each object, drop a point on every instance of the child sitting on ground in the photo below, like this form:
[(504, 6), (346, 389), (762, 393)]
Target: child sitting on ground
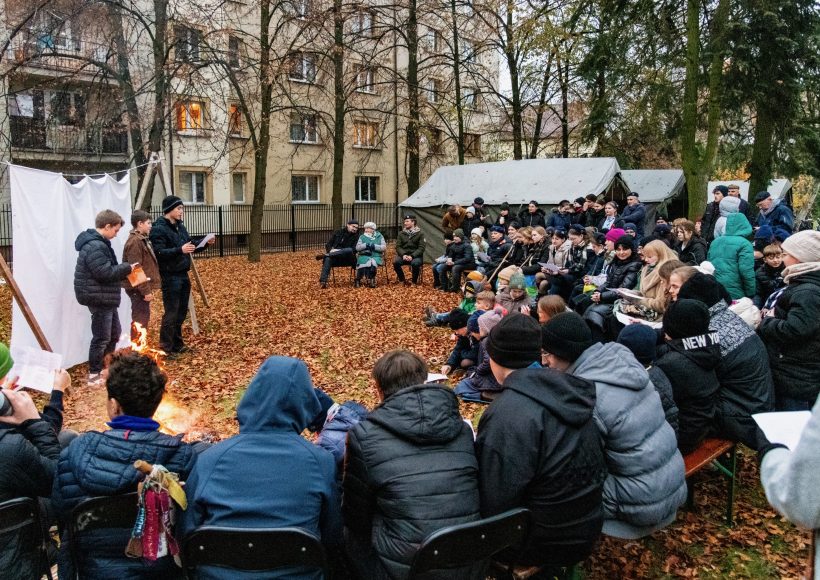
[(481, 379), (769, 276), (514, 296), (484, 301), (464, 353), (468, 303)]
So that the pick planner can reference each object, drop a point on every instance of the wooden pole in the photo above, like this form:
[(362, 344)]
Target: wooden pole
[(192, 311), (198, 282), (147, 179), (24, 307)]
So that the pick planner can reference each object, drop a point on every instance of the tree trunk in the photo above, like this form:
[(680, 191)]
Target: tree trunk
[(539, 115), (565, 109), (512, 64), (690, 151), (760, 166), (160, 54), (339, 111), (457, 77), (413, 163)]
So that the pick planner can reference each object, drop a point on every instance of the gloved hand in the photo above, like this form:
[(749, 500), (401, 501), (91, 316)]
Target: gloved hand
[(371, 247)]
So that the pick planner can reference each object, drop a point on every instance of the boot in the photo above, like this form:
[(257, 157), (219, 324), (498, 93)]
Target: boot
[(357, 282)]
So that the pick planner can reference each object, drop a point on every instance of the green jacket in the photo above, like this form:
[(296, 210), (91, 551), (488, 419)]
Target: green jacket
[(412, 244), (733, 257), (370, 248)]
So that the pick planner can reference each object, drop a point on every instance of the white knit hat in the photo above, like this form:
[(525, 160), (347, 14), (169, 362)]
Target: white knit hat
[(804, 246), (370, 225)]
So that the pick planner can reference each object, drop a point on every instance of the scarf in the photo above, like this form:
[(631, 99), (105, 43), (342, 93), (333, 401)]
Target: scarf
[(413, 230), (796, 270), (131, 423)]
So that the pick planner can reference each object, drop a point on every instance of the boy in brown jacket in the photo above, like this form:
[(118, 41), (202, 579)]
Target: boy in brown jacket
[(138, 250)]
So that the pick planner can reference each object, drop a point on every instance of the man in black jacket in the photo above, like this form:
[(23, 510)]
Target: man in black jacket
[(410, 245), (712, 213), (173, 247), (340, 250), (97, 278), (538, 448), (410, 470)]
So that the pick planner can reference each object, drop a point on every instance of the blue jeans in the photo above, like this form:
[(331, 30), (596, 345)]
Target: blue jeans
[(440, 274), (105, 333), (175, 293)]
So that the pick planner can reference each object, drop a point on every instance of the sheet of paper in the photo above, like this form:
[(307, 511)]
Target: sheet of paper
[(784, 427), (205, 240), (35, 368), (629, 294), (599, 280), (436, 377), (549, 267)]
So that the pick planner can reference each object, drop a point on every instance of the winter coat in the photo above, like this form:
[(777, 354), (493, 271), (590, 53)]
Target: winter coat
[(733, 257), (653, 289), (138, 250), (576, 261), (102, 464), (621, 274), (595, 264), (617, 222), (767, 280), (370, 250), (471, 223), (479, 249), (558, 256), (342, 239), (792, 338), (268, 476), (707, 223), (450, 222), (664, 388), (646, 482), (168, 239), (537, 253), (694, 253), (557, 468), (635, 214), (789, 478), (746, 385), (497, 251), (690, 365), (778, 216), (533, 219), (28, 454), (333, 435), (410, 244), (411, 470), (518, 254), (506, 301), (591, 218), (728, 206), (97, 275), (482, 377), (461, 254)]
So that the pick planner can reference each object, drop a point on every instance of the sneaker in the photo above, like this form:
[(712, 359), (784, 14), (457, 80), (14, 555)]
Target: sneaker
[(429, 312), (407, 283), (356, 283), (94, 380)]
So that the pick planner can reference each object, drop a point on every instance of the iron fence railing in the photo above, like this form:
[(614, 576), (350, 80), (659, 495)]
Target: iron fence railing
[(285, 228)]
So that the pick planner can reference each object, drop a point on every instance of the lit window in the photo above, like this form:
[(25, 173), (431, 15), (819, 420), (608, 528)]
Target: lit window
[(367, 187), (190, 115), (303, 128), (365, 134), (235, 117), (238, 187), (304, 188), (365, 80), (192, 186), (303, 67)]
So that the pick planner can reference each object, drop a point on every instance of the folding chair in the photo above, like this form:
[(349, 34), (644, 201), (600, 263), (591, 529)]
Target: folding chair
[(115, 511), (465, 544), (252, 549), (20, 527)]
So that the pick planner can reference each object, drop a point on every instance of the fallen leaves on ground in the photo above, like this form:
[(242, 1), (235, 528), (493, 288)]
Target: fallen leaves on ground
[(275, 307)]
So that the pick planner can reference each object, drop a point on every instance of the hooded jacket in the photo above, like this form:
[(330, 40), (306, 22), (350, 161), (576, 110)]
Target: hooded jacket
[(411, 470), (102, 464), (268, 476), (707, 223), (792, 337), (728, 205), (557, 470), (97, 275), (694, 253), (460, 253), (733, 257), (646, 482), (690, 367)]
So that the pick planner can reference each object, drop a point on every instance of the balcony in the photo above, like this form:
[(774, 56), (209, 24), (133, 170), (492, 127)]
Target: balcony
[(42, 135), (58, 53)]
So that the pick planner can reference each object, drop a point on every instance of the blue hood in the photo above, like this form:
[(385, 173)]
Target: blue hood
[(89, 235), (279, 398)]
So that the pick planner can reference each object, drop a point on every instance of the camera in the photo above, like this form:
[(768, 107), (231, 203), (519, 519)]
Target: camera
[(5, 406)]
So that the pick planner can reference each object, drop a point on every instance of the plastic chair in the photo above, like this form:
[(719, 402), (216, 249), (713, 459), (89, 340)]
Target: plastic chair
[(252, 549), (20, 524), (464, 544), (115, 511)]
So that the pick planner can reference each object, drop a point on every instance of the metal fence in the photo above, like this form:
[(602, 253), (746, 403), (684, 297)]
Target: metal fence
[(285, 228)]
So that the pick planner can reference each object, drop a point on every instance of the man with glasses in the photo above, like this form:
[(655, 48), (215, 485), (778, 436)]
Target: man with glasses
[(340, 250), (773, 212), (410, 244)]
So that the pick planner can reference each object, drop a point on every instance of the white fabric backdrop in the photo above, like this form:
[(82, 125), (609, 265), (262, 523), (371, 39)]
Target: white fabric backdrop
[(48, 213)]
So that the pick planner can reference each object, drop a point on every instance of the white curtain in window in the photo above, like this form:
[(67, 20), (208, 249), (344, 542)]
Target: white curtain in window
[(48, 213)]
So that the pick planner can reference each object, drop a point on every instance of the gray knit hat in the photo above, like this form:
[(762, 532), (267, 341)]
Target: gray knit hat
[(804, 246)]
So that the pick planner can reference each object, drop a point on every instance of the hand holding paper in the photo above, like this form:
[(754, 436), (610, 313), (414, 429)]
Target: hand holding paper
[(784, 427), (205, 241)]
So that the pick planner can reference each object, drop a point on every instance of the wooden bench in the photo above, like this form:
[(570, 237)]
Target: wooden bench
[(708, 453)]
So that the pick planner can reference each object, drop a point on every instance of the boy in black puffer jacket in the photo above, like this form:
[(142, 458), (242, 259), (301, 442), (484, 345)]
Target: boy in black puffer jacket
[(769, 275), (97, 278)]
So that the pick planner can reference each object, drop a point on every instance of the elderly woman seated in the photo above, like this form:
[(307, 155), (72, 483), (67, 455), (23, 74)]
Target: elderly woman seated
[(369, 254)]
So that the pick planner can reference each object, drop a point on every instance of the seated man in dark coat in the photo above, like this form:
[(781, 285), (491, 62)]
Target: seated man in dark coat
[(339, 250), (100, 464), (411, 470), (538, 448), (410, 245)]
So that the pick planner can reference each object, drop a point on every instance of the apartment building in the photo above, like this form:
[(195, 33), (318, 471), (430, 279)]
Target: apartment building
[(65, 111)]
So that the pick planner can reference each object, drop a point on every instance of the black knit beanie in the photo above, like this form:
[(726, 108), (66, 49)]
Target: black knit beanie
[(566, 335), (641, 340), (685, 318), (169, 203), (702, 287), (457, 319), (626, 241), (514, 343)]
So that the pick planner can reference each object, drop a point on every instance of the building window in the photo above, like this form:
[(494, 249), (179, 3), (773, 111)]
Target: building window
[(432, 40), (365, 134), (363, 23), (304, 188), (471, 98), (66, 108), (436, 141), (234, 48), (303, 128), (367, 187), (432, 88), (235, 120), (303, 67), (192, 186), (186, 44), (472, 144), (467, 51), (238, 187), (302, 8), (190, 115), (365, 79)]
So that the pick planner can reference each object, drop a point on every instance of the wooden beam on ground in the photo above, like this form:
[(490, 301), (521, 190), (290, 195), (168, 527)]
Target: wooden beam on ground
[(24, 307)]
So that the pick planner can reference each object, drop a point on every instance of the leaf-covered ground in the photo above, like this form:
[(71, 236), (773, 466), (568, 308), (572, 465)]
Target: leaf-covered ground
[(276, 307)]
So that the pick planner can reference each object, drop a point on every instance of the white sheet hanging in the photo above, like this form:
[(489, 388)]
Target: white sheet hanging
[(48, 213)]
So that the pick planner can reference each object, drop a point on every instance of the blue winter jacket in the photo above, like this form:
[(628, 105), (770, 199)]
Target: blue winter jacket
[(100, 464), (635, 214), (268, 476), (778, 216)]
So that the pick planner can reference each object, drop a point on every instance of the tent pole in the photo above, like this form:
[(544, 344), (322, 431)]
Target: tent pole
[(21, 301)]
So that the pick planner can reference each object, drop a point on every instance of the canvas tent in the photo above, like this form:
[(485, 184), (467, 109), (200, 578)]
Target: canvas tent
[(658, 189), (547, 181)]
